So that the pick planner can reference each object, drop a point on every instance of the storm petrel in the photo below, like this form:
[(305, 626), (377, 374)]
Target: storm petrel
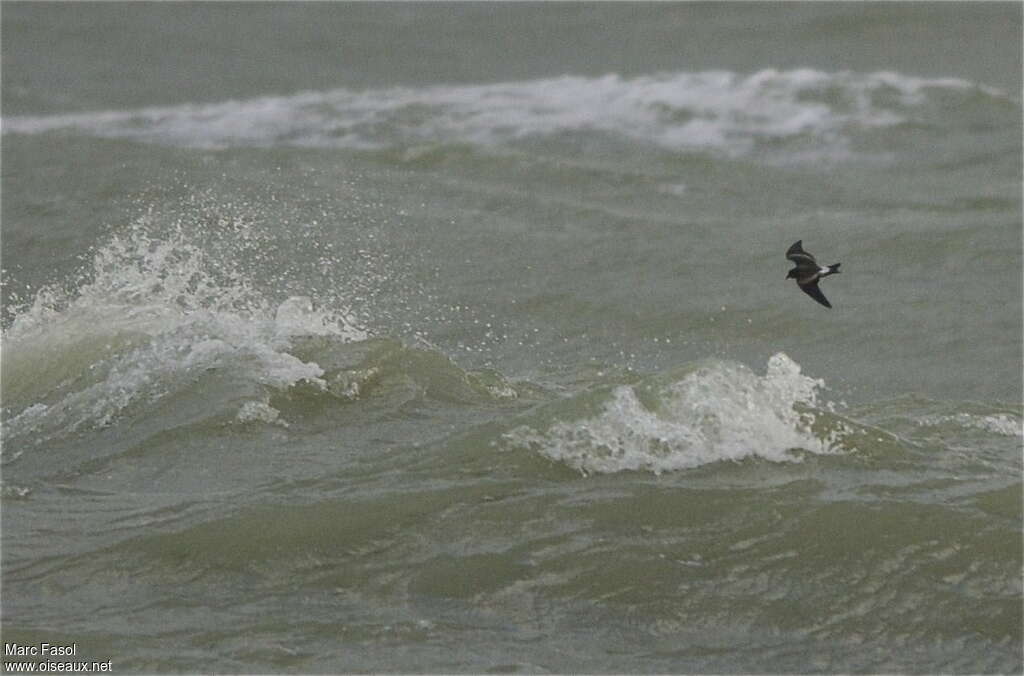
[(807, 272)]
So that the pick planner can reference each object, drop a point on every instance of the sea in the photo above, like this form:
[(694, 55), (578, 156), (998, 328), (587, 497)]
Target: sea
[(457, 338)]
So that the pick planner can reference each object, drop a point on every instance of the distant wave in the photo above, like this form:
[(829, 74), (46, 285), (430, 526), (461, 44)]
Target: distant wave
[(714, 111)]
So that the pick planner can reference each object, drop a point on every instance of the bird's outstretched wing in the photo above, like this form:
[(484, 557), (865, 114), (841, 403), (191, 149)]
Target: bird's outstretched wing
[(797, 254), (814, 292)]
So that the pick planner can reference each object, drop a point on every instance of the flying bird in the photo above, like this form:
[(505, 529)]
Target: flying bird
[(808, 273)]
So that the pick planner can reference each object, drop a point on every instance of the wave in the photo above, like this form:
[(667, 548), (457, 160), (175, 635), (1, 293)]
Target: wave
[(173, 326), (720, 410), (714, 111), (178, 322), (716, 411), (160, 311), (1002, 424)]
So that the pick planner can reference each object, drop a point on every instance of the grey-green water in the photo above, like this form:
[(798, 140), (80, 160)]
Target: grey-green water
[(455, 338)]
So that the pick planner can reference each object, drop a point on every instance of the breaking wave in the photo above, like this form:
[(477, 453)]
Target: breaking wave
[(160, 311), (714, 111), (717, 411)]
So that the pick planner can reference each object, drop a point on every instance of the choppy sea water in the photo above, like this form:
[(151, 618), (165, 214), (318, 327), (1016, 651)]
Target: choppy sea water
[(389, 338)]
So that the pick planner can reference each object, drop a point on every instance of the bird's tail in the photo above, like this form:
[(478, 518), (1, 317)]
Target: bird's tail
[(833, 269)]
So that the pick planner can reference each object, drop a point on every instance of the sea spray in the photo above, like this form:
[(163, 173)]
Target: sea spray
[(719, 410), (159, 305)]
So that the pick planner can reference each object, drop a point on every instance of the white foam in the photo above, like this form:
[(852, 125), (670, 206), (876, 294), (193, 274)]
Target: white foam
[(1003, 425), (719, 111), (261, 412), (159, 310), (722, 411)]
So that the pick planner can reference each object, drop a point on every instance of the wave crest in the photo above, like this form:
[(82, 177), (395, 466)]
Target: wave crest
[(160, 311), (718, 411), (717, 111)]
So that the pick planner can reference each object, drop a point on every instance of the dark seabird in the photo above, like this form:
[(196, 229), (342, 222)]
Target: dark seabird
[(807, 272)]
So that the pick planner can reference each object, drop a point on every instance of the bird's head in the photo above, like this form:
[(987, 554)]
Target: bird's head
[(791, 274)]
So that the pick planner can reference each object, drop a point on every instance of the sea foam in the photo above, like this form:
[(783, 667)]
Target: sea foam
[(160, 309), (718, 411), (713, 111)]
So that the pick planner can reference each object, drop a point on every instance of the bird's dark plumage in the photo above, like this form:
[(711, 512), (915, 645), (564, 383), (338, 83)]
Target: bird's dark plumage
[(808, 273)]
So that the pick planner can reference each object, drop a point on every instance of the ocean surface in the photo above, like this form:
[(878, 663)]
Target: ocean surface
[(456, 337)]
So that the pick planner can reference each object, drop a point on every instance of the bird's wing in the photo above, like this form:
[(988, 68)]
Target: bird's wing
[(814, 292), (797, 254), (811, 277)]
